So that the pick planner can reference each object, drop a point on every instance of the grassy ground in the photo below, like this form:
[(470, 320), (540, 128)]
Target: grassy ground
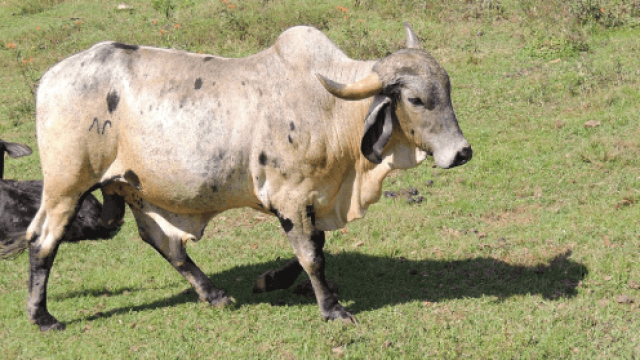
[(529, 251)]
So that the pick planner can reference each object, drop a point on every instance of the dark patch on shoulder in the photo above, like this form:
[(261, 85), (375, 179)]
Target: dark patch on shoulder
[(208, 58), (198, 84), (132, 179), (112, 101), (122, 46), (262, 158), (292, 126)]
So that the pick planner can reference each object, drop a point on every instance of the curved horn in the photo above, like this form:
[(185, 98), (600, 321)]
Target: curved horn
[(364, 88), (412, 38)]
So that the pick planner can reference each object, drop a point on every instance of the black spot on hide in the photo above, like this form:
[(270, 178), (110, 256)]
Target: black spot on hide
[(287, 224), (103, 53), (82, 64), (198, 84), (290, 139), (213, 83), (311, 214), (122, 46), (412, 132), (292, 126), (132, 179), (208, 58), (262, 158), (243, 83), (112, 101), (214, 188)]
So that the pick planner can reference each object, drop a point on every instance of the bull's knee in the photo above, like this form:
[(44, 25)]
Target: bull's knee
[(57, 214)]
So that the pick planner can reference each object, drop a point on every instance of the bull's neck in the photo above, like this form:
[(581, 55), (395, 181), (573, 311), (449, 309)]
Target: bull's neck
[(348, 124)]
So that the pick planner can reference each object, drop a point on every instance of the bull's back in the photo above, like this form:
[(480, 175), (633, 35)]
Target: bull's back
[(180, 124), (188, 128)]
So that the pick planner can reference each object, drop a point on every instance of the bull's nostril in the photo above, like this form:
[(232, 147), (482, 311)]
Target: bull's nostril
[(463, 156)]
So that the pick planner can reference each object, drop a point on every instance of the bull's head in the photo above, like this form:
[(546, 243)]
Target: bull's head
[(413, 91)]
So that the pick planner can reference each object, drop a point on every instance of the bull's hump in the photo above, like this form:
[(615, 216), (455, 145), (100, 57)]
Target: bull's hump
[(307, 44)]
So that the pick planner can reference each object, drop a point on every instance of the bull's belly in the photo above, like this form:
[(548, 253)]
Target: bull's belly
[(181, 191)]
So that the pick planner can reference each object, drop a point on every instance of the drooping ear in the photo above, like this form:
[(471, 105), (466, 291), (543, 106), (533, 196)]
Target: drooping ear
[(16, 150), (378, 126)]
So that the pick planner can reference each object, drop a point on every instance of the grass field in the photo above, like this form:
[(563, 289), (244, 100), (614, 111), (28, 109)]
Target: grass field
[(529, 251)]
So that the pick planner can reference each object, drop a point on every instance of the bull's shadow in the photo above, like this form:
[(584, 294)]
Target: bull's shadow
[(369, 282)]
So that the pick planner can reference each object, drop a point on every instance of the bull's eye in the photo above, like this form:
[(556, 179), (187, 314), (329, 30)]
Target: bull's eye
[(416, 102)]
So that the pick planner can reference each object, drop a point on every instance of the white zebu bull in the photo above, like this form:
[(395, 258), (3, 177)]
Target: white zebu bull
[(183, 137)]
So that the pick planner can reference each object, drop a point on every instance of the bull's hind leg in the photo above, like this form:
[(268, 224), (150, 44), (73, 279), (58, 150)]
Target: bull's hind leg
[(168, 233), (44, 236)]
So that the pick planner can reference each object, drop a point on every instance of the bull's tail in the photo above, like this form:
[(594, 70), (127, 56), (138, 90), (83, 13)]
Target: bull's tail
[(13, 244)]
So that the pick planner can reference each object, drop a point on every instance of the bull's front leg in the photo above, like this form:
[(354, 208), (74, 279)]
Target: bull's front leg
[(308, 244)]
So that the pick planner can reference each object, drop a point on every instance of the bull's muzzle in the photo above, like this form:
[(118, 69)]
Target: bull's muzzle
[(463, 156)]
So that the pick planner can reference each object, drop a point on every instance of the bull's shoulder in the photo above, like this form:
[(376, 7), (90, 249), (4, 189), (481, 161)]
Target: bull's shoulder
[(306, 44)]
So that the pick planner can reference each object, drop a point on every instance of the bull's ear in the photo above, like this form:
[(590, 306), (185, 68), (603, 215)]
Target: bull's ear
[(378, 126), (17, 150)]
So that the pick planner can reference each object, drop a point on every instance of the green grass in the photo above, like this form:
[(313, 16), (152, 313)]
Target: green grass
[(522, 253)]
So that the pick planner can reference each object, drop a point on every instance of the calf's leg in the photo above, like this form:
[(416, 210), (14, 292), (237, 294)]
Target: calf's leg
[(278, 279)]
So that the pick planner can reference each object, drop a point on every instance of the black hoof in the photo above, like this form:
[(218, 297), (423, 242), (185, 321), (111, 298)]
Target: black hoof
[(55, 326), (222, 302), (339, 313)]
